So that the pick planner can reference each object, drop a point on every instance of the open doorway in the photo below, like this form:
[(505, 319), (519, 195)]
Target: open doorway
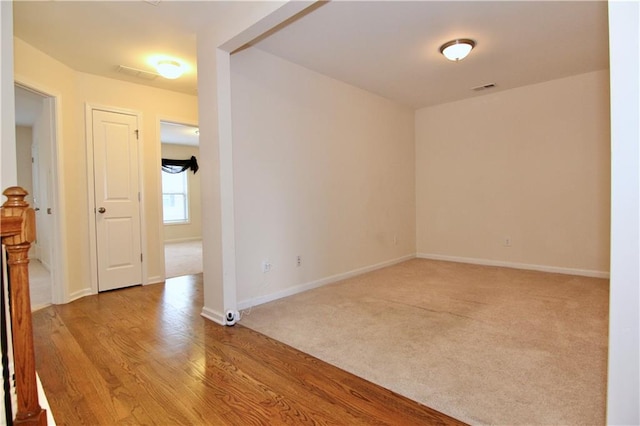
[(35, 151), (181, 200)]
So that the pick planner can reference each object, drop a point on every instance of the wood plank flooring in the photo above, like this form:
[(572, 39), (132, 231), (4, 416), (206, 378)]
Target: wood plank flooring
[(144, 355)]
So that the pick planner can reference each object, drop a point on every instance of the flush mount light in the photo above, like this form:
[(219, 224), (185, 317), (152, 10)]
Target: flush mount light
[(456, 50), (169, 69)]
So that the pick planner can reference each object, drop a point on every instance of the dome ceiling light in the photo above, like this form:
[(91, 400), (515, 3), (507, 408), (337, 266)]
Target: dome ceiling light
[(169, 69), (457, 50)]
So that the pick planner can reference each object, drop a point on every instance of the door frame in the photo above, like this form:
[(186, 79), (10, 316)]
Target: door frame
[(58, 272), (93, 248), (159, 120)]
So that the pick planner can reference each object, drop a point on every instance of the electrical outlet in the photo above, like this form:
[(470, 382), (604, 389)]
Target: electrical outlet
[(299, 261), (507, 241), (266, 266)]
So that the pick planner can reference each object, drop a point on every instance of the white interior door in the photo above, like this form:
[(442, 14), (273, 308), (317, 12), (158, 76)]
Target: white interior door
[(117, 205), (43, 136), (35, 196)]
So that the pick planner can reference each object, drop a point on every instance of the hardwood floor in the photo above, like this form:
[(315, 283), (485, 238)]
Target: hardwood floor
[(144, 355)]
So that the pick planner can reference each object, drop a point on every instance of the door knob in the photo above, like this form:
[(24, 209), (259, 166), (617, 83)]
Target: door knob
[(102, 210)]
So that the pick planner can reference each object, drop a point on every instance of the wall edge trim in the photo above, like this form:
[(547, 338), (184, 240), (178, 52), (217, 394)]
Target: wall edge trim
[(246, 304), (213, 315), (515, 265), (80, 294), (156, 279)]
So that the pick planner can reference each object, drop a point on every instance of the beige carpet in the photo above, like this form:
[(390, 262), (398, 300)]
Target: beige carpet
[(486, 345), (182, 258)]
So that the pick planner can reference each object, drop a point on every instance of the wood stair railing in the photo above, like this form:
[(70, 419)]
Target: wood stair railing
[(18, 232)]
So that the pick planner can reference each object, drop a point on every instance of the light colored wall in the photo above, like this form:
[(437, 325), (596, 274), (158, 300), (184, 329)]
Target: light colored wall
[(193, 229), (153, 104), (531, 164), (35, 69), (322, 170), (8, 174), (623, 391), (74, 90), (24, 138)]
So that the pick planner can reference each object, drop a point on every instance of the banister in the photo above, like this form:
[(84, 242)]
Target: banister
[(18, 232)]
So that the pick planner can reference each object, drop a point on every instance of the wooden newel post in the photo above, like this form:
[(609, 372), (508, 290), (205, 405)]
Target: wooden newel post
[(17, 244)]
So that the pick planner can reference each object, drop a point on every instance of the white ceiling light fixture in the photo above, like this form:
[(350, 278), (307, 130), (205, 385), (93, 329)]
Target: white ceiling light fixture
[(169, 69), (457, 50)]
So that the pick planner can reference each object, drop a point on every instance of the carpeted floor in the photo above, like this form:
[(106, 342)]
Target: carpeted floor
[(182, 258), (486, 345)]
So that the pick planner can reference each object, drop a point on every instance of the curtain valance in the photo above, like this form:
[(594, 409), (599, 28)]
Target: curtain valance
[(179, 166)]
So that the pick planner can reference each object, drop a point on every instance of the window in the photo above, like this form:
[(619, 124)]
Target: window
[(175, 198)]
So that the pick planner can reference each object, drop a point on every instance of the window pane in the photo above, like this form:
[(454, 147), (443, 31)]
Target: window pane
[(174, 183), (175, 200), (174, 208)]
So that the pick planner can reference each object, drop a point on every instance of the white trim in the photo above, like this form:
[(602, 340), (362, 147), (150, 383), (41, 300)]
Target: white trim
[(93, 262), (81, 293), (213, 315), (514, 265), (93, 255), (246, 304)]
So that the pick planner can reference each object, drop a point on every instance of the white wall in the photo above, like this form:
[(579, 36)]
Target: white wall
[(8, 174), (623, 396), (322, 170), (24, 138), (193, 229), (531, 164)]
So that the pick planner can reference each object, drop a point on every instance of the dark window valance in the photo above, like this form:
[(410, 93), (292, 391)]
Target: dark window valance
[(179, 166)]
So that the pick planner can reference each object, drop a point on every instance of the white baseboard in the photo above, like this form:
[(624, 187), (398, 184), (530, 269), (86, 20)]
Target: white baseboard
[(527, 266), (246, 304), (183, 240), (213, 315), (40, 306), (79, 294), (154, 280)]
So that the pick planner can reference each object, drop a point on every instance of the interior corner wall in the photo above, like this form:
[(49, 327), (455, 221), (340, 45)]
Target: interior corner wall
[(322, 170), (530, 164), (193, 229), (74, 90)]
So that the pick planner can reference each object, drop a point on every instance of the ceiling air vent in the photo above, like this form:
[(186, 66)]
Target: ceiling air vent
[(484, 87), (145, 75)]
